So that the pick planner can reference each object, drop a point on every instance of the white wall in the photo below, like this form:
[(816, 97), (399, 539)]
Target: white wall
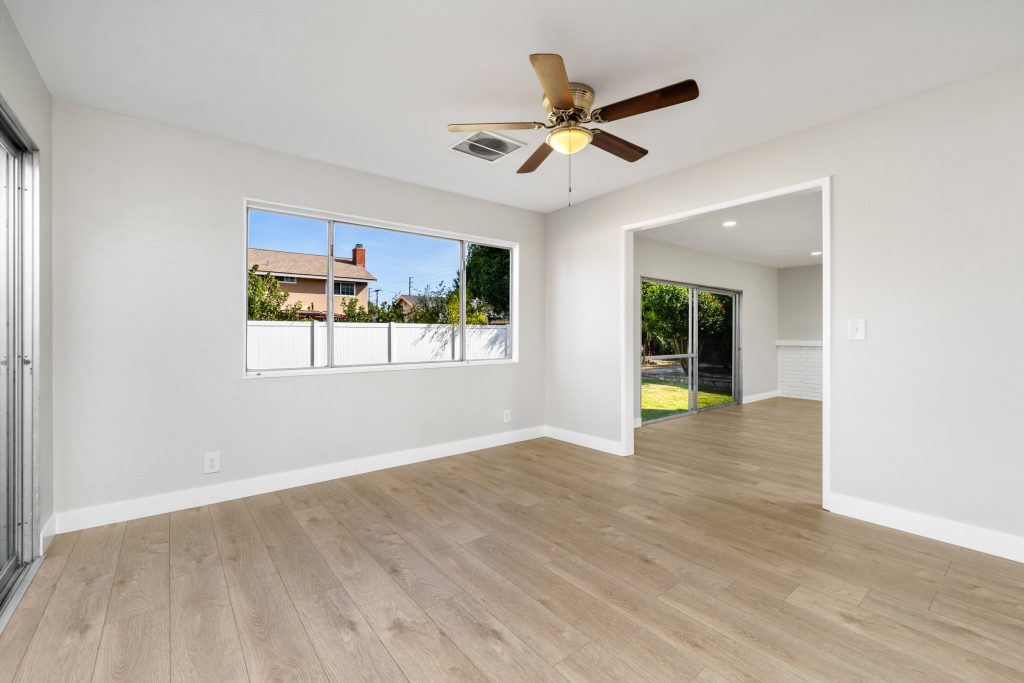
[(927, 205), (800, 303), (148, 226), (758, 304), (23, 90)]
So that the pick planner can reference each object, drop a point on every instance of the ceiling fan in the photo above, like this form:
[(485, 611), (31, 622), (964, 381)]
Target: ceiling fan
[(569, 105)]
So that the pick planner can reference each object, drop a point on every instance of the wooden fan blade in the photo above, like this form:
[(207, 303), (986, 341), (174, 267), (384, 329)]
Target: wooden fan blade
[(536, 159), (613, 144), (553, 79), (517, 125), (656, 99)]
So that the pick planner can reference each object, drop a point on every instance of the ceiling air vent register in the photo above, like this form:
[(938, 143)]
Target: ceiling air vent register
[(487, 146)]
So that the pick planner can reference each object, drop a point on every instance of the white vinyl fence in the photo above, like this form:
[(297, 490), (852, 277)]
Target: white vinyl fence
[(274, 345)]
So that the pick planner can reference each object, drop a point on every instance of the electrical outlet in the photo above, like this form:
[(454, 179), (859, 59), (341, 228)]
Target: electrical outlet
[(507, 416), (211, 462)]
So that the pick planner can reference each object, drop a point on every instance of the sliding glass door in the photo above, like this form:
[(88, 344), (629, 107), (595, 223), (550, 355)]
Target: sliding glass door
[(667, 363), (16, 546), (9, 172), (716, 348), (689, 349)]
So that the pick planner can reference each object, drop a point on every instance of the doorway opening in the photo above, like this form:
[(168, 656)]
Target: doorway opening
[(772, 252), (690, 349)]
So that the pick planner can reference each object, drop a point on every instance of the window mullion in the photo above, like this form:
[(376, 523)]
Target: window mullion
[(462, 300), (330, 294)]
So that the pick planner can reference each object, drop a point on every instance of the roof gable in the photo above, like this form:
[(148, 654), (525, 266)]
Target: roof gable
[(308, 265)]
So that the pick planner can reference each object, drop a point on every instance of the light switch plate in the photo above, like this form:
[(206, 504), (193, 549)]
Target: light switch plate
[(856, 329)]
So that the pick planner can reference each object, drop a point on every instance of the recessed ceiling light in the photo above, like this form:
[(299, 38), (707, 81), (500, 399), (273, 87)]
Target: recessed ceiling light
[(815, 253), (729, 224)]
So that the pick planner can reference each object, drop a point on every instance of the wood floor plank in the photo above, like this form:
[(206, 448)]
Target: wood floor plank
[(136, 647), (204, 642), (592, 664), (65, 643), (348, 648), (392, 512), (360, 574), (690, 636), (296, 558), (142, 580), (273, 641), (882, 661), (419, 647), (23, 623), (191, 534), (634, 645), (68, 636), (978, 616), (438, 516), (490, 480), (243, 555), (895, 634), (495, 650), (534, 623), (420, 579), (999, 647)]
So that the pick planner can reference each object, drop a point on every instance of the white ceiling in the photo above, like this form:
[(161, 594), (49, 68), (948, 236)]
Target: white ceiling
[(371, 85), (780, 232)]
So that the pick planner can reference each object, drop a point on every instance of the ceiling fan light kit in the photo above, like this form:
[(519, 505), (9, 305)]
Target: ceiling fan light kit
[(570, 104), (569, 139)]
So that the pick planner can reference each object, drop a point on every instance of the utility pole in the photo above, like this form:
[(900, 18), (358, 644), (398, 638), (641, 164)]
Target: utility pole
[(376, 293), (410, 285)]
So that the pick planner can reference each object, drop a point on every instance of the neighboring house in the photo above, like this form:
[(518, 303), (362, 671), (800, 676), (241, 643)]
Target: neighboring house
[(303, 277), (410, 302)]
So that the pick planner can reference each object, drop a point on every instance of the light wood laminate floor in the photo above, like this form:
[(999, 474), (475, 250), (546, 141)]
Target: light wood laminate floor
[(704, 558)]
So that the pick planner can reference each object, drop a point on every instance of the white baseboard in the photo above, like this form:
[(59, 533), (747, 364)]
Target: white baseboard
[(760, 397), (978, 538), (124, 510), (586, 440), (47, 533)]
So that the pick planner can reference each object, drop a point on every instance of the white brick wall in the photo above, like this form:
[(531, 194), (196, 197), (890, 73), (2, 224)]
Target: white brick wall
[(800, 368)]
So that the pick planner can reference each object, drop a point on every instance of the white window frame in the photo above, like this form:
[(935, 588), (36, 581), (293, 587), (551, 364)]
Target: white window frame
[(287, 279), (337, 286), (331, 217)]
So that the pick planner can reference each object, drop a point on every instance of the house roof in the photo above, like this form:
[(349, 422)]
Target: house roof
[(419, 299), (309, 265)]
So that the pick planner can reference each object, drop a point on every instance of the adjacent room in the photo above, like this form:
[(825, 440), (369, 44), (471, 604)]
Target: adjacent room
[(730, 307), (425, 342)]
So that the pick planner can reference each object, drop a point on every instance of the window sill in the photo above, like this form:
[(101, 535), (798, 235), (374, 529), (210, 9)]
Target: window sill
[(388, 367)]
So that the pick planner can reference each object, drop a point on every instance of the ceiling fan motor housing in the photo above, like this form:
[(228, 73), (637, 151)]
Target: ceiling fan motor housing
[(583, 102)]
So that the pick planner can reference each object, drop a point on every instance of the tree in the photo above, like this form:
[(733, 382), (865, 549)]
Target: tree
[(387, 312), (665, 321), (476, 314), (440, 306), (354, 313), (487, 278), (432, 305), (265, 299)]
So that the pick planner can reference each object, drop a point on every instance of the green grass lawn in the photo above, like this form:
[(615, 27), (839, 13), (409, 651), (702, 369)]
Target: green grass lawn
[(660, 399)]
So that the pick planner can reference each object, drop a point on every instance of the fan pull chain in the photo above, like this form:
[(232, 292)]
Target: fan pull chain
[(570, 178)]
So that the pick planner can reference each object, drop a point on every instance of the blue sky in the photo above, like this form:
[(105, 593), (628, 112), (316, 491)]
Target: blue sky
[(391, 256)]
